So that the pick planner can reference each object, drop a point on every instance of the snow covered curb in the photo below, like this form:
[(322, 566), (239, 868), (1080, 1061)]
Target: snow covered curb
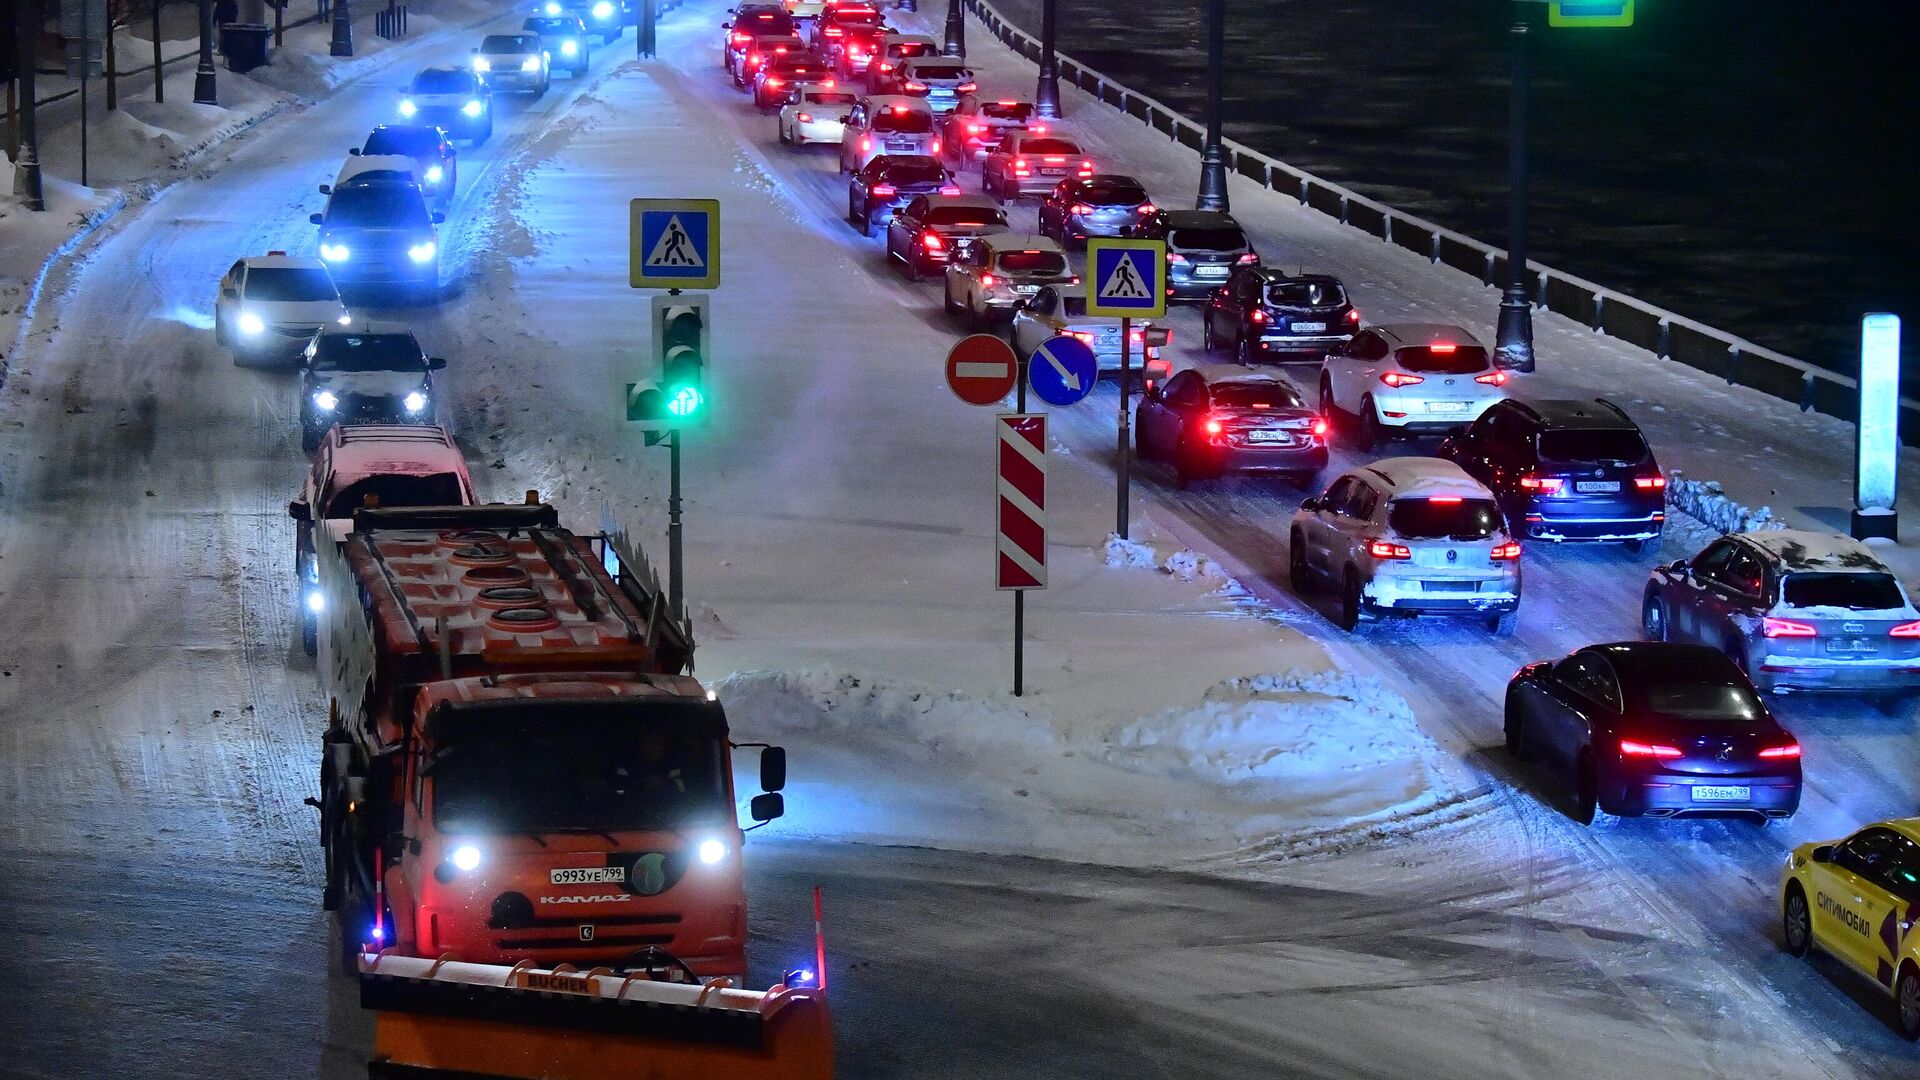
[(1265, 766), (72, 210), (1707, 501)]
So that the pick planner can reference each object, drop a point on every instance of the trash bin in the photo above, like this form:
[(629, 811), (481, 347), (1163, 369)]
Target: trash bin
[(244, 45)]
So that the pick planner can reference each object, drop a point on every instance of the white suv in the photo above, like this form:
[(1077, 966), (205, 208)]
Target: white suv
[(887, 125), (1408, 379), (1408, 536)]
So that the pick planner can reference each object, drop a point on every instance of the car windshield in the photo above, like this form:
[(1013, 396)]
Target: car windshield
[(1216, 239), (1425, 518), (547, 768), (1033, 262), (368, 352), (1442, 359), (442, 82), (1594, 444), (391, 206), (290, 284), (1049, 146), (913, 170), (552, 27), (1020, 111), (510, 43), (1111, 193), (830, 99), (437, 489), (1703, 701), (1856, 592), (405, 141), (1306, 294), (1256, 395), (965, 215), (903, 121)]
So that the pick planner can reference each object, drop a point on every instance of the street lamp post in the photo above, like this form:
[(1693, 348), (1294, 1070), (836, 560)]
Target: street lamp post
[(342, 44), (956, 30), (1213, 163), (205, 88), (26, 171), (1046, 97), (1514, 334)]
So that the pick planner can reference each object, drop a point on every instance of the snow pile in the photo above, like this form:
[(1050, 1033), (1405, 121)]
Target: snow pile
[(1189, 565), (1707, 501), (1271, 765), (1123, 552)]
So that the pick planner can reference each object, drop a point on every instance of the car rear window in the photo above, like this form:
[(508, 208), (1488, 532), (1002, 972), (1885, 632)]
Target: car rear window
[(406, 142), (436, 489), (966, 215), (1306, 294), (797, 65), (910, 49), (830, 99), (1442, 360), (1597, 444), (1113, 194), (442, 82), (1033, 262), (290, 284), (1423, 518), (915, 169), (1704, 701), (1049, 146), (1256, 395), (1222, 239), (1857, 592), (554, 27), (767, 22), (509, 43), (904, 122), (1020, 111), (940, 71)]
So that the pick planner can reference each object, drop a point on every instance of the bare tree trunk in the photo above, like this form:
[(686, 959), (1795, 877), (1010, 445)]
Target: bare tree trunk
[(159, 71), (113, 72)]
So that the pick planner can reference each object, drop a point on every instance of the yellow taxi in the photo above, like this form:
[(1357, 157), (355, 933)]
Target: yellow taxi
[(1857, 900)]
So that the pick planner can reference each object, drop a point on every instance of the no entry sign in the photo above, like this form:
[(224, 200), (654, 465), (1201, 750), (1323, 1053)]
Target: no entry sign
[(981, 369), (1020, 556)]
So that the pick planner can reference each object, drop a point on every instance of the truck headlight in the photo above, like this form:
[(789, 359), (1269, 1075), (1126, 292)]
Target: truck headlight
[(603, 10), (422, 251), (711, 852), (435, 174), (482, 64), (472, 107), (407, 107), (530, 64), (415, 402), (333, 252), (325, 401), (466, 857), (251, 324), (569, 47)]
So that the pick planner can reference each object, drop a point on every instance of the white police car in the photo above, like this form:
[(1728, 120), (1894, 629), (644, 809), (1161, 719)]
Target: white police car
[(271, 305)]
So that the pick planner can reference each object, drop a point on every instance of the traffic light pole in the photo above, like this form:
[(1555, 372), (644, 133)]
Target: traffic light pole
[(1125, 469), (675, 595)]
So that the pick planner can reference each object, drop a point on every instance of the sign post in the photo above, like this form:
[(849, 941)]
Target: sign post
[(1020, 529), (1126, 279), (1877, 435)]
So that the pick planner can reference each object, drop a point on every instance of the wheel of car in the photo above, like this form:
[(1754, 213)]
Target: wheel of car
[(1907, 999), (1182, 472), (785, 139), (1736, 652), (993, 189), (866, 224), (1502, 624), (953, 309), (1899, 704), (912, 266), (1586, 791), (220, 336), (1514, 728), (1206, 335), (1796, 921), (1328, 407), (1636, 547), (1350, 600), (1653, 618), (1368, 436), (309, 633), (852, 218), (1298, 574)]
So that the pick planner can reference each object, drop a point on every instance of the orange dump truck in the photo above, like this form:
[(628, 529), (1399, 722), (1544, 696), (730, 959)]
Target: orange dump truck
[(517, 765)]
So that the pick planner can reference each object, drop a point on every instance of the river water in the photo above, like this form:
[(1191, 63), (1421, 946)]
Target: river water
[(1749, 164)]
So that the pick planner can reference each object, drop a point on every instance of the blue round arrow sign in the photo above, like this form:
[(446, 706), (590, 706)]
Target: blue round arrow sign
[(1063, 370)]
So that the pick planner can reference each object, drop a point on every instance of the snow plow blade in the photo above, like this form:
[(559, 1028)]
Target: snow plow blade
[(445, 1019)]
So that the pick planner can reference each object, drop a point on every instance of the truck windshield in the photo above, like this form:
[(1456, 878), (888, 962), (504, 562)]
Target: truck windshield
[(554, 768)]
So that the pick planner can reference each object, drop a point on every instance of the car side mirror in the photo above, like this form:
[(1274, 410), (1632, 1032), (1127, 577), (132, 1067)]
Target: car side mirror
[(437, 363), (299, 511), (766, 807), (326, 189), (846, 118), (353, 151), (475, 50), (230, 293), (439, 218), (317, 218), (1310, 503), (773, 768), (1821, 854)]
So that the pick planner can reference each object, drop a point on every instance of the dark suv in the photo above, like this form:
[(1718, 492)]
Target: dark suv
[(1566, 470), (1203, 247), (1262, 311), (1105, 204)]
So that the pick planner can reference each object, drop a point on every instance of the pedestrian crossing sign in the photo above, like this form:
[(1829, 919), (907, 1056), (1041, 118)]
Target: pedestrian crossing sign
[(674, 244), (1126, 278)]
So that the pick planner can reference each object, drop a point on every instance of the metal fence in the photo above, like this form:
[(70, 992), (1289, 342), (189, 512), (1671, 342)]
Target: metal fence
[(392, 22), (1664, 333)]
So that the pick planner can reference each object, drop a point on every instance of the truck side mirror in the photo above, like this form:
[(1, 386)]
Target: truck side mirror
[(317, 218), (299, 511), (773, 769), (765, 808), (326, 189)]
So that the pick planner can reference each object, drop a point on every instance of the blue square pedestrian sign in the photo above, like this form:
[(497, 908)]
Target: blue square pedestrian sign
[(674, 244), (1126, 278), (1590, 13)]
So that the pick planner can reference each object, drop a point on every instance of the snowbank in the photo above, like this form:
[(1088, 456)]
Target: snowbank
[(1707, 501), (1273, 765)]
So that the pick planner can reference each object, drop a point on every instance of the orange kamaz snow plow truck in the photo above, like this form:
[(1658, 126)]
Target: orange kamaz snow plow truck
[(517, 765)]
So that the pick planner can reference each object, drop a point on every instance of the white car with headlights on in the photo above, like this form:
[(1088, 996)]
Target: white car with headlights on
[(1408, 536), (816, 113), (436, 164), (271, 305), (364, 373), (514, 63), (455, 100), (1408, 379)]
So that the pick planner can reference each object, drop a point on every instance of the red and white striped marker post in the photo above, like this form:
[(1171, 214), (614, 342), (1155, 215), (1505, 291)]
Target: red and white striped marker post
[(1020, 520)]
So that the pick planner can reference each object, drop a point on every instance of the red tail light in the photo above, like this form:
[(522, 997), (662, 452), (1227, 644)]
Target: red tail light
[(883, 191), (932, 241), (1546, 485), (1506, 552), (1905, 629), (1249, 259), (1650, 483), (1319, 427), (866, 143), (968, 88), (742, 39), (1492, 378), (1083, 335), (1791, 750), (936, 147), (1384, 549), (1054, 159), (950, 189), (1772, 627), (1259, 315), (914, 86), (1147, 209), (774, 83), (833, 31), (1441, 348), (1086, 168), (986, 281), (1137, 337), (1353, 316), (805, 118), (1639, 749), (1079, 208), (1020, 167), (1175, 257), (1400, 378), (885, 67), (1214, 427), (975, 129), (1444, 500)]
